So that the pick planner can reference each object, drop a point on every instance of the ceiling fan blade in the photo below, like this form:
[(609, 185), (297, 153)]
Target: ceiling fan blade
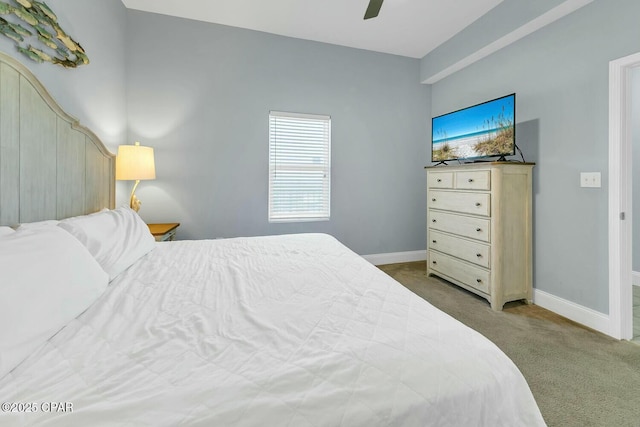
[(373, 9)]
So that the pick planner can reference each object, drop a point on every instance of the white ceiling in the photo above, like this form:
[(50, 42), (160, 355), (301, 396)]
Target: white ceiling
[(410, 28)]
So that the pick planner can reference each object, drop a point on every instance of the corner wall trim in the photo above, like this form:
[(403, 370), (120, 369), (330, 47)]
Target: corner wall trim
[(572, 311), (396, 257)]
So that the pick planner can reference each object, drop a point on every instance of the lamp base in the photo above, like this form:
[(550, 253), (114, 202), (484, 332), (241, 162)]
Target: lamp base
[(134, 202)]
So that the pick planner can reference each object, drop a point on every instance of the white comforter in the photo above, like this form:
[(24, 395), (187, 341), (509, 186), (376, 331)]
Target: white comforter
[(268, 331)]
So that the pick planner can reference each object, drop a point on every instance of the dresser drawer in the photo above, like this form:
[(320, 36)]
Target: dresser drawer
[(440, 180), (465, 273), (465, 226), (473, 180), (474, 252), (472, 203)]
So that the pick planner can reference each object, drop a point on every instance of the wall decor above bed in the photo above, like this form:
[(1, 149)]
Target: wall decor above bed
[(34, 28)]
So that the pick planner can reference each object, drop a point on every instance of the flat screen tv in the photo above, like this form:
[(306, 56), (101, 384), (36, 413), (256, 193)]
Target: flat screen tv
[(479, 131)]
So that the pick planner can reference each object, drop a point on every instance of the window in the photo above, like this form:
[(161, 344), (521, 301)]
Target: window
[(299, 167)]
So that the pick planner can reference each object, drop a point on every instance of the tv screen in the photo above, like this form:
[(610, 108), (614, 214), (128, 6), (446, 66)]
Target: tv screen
[(483, 130)]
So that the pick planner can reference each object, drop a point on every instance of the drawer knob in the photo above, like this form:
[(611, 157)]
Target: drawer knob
[(438, 180), (479, 280), (478, 204), (433, 220), (433, 200), (479, 255), (434, 241), (478, 229), (470, 179), (433, 262)]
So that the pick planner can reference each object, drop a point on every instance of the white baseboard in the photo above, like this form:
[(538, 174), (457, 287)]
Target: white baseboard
[(635, 278), (396, 257), (580, 314), (585, 316)]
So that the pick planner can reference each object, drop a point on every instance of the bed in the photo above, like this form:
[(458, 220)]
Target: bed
[(293, 330)]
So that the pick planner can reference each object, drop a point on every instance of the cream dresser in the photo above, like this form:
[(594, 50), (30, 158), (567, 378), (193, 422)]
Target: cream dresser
[(479, 228)]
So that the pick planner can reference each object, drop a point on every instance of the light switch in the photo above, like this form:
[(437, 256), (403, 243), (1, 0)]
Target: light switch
[(590, 179)]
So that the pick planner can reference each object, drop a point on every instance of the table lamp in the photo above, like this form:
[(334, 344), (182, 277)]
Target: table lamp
[(135, 162)]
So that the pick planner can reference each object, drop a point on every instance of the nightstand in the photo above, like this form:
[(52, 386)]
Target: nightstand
[(164, 232)]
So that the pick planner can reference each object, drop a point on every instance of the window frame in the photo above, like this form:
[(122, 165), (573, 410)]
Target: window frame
[(323, 214)]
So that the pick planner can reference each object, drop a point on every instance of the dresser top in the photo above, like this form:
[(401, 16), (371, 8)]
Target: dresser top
[(476, 165)]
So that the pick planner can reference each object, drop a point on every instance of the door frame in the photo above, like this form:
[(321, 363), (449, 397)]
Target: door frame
[(620, 206)]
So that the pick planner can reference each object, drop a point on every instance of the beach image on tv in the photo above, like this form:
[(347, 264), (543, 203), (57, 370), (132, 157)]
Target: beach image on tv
[(479, 131)]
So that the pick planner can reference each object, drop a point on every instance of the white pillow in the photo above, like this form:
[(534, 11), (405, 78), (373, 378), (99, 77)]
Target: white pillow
[(116, 238), (47, 278), (6, 231), (37, 224)]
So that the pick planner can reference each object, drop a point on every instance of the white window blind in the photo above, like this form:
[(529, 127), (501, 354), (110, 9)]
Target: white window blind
[(299, 167)]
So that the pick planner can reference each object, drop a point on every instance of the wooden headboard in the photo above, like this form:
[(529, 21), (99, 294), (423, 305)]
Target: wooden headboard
[(51, 167)]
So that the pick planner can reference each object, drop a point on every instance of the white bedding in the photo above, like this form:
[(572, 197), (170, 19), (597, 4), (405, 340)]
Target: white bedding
[(269, 331)]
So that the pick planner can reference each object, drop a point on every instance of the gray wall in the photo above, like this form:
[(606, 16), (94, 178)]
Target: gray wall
[(635, 135), (560, 75), (94, 93), (506, 17), (200, 94)]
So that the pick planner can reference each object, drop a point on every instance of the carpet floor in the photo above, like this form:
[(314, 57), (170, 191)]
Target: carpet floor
[(579, 377)]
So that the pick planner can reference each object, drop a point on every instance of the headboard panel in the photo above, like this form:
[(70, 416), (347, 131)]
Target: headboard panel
[(51, 167)]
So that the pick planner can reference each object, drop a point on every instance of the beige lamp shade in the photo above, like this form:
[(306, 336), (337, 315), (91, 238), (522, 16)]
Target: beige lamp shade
[(135, 162)]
